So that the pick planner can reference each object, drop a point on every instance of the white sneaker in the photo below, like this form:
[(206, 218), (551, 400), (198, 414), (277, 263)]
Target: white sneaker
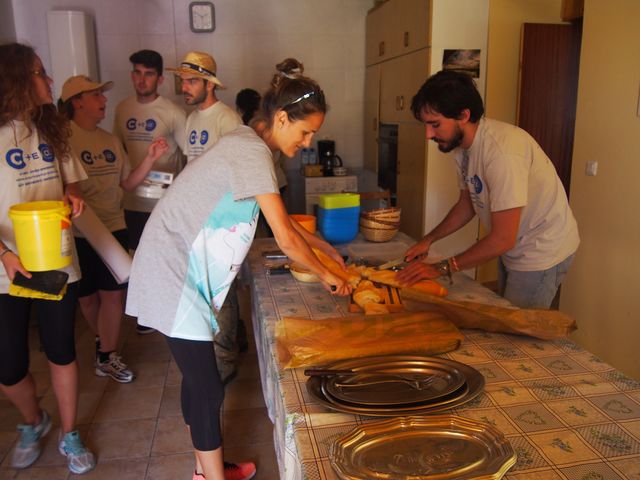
[(79, 459), (114, 368), (28, 448)]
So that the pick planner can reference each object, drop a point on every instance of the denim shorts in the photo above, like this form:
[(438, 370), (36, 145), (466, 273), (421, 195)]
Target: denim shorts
[(535, 289)]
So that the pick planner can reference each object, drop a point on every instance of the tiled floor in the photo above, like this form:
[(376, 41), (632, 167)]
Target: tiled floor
[(136, 430)]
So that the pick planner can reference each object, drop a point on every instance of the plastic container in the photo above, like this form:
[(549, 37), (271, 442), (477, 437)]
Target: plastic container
[(338, 225), (339, 200), (43, 234), (307, 221)]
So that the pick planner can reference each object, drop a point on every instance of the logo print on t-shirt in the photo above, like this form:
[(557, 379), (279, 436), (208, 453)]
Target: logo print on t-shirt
[(15, 159), (47, 152), (192, 137), (109, 156), (86, 157), (150, 125), (477, 183), (131, 124), (204, 137)]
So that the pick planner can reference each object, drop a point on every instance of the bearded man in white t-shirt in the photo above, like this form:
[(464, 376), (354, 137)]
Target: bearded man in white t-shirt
[(510, 183), (212, 118), (205, 125)]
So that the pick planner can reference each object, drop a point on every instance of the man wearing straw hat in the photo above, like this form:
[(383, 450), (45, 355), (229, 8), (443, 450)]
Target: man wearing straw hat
[(205, 125), (212, 118)]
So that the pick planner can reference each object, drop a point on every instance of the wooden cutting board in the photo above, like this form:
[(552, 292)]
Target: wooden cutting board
[(391, 298)]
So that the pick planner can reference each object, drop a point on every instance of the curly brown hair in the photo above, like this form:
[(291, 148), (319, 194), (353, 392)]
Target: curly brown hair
[(19, 99)]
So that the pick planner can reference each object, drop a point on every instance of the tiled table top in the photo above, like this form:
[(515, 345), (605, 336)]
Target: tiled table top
[(567, 414)]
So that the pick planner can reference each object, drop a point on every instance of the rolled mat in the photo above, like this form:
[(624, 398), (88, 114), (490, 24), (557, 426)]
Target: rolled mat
[(116, 258), (539, 323), (305, 342)]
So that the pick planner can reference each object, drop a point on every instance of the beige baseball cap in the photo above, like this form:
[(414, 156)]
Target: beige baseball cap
[(80, 84), (199, 64)]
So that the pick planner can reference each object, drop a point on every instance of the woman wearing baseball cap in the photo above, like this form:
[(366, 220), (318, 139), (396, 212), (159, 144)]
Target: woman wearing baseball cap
[(198, 236), (104, 160)]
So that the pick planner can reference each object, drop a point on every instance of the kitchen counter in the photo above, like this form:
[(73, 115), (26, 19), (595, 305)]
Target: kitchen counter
[(567, 414)]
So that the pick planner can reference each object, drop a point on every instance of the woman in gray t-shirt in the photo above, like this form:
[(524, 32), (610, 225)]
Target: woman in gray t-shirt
[(198, 236)]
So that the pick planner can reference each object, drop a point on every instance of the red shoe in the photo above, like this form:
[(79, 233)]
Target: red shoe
[(239, 471)]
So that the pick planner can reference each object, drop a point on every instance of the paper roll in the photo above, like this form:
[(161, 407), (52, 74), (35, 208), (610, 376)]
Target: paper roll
[(116, 258)]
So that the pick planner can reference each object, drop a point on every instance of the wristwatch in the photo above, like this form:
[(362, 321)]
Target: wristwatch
[(444, 268)]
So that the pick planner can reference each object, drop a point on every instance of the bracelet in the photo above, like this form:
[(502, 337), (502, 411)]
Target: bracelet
[(4, 251), (454, 264)]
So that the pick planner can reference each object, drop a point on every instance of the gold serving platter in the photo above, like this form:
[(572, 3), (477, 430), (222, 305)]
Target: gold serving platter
[(442, 447), (394, 384), (472, 387)]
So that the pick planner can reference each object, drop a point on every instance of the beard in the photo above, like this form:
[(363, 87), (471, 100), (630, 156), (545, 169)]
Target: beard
[(452, 144), (197, 99)]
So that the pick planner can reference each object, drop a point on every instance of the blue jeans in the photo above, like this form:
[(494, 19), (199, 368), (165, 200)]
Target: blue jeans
[(534, 289)]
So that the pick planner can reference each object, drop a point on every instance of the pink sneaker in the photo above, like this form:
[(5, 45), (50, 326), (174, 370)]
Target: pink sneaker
[(233, 471), (239, 471)]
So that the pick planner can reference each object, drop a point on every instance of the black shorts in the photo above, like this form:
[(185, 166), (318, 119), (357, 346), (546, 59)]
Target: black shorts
[(95, 274), (56, 320), (135, 224)]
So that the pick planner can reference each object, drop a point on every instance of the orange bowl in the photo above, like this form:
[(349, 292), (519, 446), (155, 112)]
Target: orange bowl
[(307, 221)]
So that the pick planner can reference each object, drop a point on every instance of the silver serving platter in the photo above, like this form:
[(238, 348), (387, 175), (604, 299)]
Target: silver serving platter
[(395, 384), (434, 447), (473, 386)]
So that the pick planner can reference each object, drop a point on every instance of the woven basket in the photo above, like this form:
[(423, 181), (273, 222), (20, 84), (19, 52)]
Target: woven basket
[(378, 235), (380, 225), (386, 214)]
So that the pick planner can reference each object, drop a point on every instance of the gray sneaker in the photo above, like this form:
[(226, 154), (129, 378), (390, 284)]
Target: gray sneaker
[(115, 369), (28, 448), (79, 459)]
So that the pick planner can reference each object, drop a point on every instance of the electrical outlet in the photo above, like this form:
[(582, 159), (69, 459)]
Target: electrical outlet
[(591, 169)]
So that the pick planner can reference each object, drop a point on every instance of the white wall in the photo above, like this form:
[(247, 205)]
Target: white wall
[(251, 36)]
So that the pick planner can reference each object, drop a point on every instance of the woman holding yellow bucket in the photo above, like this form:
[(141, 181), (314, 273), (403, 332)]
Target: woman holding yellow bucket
[(35, 164), (104, 160)]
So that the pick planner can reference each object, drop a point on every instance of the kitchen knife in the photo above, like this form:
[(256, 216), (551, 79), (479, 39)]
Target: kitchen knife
[(392, 263)]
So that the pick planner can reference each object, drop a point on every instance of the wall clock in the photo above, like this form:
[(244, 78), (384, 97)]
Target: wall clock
[(202, 17)]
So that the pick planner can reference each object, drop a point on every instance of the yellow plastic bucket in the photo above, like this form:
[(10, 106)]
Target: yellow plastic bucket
[(43, 234)]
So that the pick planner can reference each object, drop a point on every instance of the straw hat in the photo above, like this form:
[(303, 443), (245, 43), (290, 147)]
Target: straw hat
[(199, 64), (80, 84)]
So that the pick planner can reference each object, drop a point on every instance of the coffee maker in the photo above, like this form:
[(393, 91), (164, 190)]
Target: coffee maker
[(327, 157)]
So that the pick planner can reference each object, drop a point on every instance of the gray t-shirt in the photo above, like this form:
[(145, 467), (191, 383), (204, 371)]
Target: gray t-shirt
[(198, 236)]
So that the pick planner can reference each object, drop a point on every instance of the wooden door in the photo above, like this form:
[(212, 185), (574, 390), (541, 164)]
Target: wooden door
[(548, 90), (411, 179), (371, 121)]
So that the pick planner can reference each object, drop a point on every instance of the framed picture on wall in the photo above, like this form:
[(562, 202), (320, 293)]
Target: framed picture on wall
[(465, 61)]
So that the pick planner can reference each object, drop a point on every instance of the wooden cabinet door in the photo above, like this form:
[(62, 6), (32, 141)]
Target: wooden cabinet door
[(412, 30), (400, 79), (411, 180), (371, 118)]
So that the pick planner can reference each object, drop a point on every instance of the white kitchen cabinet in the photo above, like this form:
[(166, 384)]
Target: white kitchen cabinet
[(316, 186)]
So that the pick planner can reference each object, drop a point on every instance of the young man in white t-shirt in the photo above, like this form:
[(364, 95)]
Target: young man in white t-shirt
[(205, 125), (510, 183), (140, 119)]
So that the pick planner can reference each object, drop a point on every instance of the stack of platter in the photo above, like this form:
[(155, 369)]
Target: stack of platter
[(395, 385), (439, 447)]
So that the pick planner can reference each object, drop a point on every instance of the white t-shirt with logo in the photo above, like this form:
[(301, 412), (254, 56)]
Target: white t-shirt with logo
[(30, 172), (205, 127), (136, 125), (103, 158), (507, 169)]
